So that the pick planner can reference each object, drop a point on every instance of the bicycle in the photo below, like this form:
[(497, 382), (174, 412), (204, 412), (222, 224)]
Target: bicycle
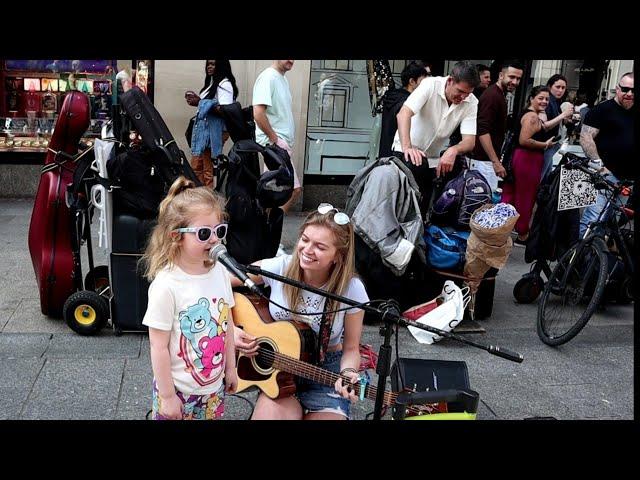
[(577, 283)]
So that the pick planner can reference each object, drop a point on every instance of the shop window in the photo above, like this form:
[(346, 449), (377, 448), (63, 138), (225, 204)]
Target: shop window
[(32, 93), (333, 108), (336, 64)]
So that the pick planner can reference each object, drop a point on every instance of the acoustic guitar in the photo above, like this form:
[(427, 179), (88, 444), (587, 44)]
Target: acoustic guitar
[(284, 351)]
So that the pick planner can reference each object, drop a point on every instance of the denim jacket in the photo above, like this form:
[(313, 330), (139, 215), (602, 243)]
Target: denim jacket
[(207, 130)]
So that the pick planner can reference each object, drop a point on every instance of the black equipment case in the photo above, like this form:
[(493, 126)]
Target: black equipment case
[(156, 135), (128, 285)]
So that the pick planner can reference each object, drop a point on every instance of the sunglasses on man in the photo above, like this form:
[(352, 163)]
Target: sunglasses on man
[(204, 232), (625, 89)]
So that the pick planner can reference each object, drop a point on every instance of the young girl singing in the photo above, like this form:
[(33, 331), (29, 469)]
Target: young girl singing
[(189, 308)]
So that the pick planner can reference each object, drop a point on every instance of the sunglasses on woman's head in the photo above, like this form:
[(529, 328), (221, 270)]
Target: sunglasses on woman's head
[(203, 233), (340, 218)]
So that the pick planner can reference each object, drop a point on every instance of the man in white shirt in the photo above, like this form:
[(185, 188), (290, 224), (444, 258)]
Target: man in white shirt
[(428, 118), (273, 114)]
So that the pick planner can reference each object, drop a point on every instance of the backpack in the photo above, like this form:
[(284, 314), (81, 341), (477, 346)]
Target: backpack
[(252, 233), (141, 187), (446, 247), (461, 197), (275, 186)]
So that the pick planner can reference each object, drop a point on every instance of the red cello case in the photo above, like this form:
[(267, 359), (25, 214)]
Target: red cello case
[(50, 227)]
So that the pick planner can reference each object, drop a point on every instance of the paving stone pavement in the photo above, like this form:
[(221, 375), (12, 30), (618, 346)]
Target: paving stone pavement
[(49, 372)]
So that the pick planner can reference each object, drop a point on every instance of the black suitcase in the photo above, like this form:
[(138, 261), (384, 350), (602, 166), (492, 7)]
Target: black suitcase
[(156, 135), (128, 285)]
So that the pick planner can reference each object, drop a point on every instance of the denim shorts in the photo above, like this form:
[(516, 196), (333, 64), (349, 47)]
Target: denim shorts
[(315, 397), (194, 407)]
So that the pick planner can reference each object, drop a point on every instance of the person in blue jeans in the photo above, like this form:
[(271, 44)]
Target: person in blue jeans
[(209, 131), (323, 258), (607, 137)]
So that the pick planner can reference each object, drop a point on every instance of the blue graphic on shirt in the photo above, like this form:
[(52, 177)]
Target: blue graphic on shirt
[(202, 342), (195, 320)]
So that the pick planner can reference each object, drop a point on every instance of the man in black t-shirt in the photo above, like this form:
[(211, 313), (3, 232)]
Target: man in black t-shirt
[(607, 135)]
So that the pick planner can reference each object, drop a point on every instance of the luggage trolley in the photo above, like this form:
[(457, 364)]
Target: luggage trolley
[(119, 292)]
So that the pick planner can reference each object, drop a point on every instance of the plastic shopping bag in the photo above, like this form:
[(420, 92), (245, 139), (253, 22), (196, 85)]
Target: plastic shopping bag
[(445, 317)]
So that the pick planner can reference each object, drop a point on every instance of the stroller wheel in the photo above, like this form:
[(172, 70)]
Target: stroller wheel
[(528, 288), (85, 312)]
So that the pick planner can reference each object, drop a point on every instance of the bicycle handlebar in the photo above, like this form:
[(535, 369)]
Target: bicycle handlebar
[(580, 163)]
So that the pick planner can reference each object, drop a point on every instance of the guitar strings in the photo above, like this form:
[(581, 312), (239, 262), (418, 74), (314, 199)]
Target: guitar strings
[(313, 371)]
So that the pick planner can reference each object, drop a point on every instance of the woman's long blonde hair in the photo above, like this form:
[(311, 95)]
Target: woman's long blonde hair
[(343, 270), (183, 202)]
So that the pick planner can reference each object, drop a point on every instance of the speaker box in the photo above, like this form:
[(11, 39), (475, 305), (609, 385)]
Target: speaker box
[(422, 375)]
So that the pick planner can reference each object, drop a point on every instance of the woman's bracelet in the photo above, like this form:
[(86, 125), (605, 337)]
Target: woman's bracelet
[(348, 369)]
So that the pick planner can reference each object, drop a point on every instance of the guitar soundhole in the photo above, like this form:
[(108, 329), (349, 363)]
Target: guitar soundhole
[(265, 357)]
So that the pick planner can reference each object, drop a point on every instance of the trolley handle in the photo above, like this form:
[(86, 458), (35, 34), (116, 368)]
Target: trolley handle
[(467, 397)]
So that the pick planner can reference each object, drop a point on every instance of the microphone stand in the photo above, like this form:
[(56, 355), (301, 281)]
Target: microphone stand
[(389, 312)]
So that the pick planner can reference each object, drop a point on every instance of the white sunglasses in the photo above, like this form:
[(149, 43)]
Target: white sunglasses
[(204, 233), (340, 218)]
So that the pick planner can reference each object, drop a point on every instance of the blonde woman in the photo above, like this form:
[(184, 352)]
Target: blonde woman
[(189, 308), (323, 258)]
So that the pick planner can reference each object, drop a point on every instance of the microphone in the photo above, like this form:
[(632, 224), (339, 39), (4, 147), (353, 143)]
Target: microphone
[(219, 253)]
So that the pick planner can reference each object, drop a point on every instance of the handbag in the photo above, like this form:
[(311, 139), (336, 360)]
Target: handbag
[(189, 132)]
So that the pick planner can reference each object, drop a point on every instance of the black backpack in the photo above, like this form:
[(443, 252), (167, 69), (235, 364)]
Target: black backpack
[(272, 188), (140, 187), (253, 234)]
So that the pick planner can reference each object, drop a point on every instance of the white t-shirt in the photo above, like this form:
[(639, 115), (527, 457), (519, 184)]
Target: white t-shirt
[(272, 89), (309, 302), (224, 92), (196, 309), (435, 120)]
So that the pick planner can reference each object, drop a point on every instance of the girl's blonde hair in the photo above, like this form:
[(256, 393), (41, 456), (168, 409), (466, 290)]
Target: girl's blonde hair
[(183, 202), (343, 270)]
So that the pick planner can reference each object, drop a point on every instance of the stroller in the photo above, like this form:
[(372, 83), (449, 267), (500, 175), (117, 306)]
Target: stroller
[(127, 214), (552, 233), (389, 255)]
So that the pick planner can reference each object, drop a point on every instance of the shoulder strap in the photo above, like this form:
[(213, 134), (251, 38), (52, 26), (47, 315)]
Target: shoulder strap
[(325, 330)]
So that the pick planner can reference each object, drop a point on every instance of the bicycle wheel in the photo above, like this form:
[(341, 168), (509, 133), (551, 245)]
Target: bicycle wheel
[(573, 292)]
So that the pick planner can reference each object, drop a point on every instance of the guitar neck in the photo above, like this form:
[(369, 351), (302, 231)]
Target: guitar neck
[(311, 372)]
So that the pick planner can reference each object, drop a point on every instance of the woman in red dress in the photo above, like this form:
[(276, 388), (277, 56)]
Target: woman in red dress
[(527, 161)]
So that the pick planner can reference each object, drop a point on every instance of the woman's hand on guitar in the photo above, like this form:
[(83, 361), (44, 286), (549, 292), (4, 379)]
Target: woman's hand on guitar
[(245, 343), (348, 389)]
